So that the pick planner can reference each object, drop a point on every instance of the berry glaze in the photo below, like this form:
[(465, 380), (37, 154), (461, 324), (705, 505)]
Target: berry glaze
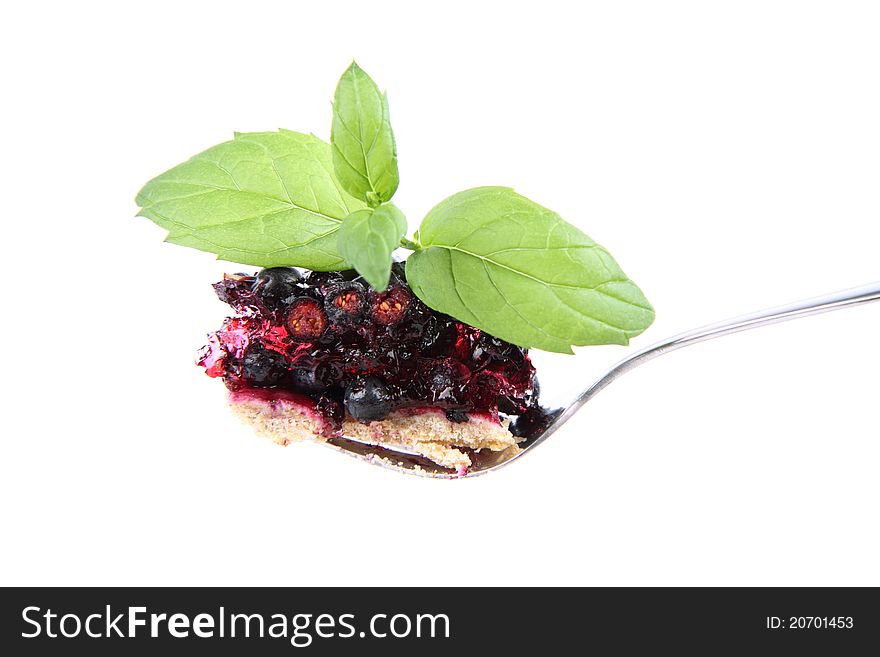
[(333, 344)]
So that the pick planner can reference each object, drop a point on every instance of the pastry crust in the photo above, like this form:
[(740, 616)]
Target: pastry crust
[(286, 417)]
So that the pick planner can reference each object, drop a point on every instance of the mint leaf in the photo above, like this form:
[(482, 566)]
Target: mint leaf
[(368, 237), (364, 153), (264, 198), (505, 264)]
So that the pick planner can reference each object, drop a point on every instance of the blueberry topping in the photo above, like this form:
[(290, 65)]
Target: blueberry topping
[(263, 367), (332, 338), (367, 399)]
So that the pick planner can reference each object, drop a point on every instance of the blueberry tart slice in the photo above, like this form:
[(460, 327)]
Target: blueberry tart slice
[(314, 355)]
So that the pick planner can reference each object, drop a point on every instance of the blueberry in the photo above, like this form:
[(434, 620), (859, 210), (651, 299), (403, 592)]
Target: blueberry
[(305, 319), (345, 302), (367, 399), (276, 285), (391, 306), (311, 375), (263, 367)]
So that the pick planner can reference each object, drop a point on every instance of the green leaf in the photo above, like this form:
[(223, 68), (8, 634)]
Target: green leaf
[(264, 198), (364, 153), (505, 264), (368, 237)]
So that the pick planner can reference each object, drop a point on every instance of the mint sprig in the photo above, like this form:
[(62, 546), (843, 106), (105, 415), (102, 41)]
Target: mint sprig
[(486, 256)]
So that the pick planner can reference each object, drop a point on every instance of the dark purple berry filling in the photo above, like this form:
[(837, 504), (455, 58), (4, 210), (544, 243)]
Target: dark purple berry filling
[(330, 338)]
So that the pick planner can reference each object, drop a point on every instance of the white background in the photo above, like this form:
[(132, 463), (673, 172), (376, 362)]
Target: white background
[(727, 154)]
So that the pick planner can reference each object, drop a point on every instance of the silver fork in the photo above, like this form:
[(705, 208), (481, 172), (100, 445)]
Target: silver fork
[(486, 461)]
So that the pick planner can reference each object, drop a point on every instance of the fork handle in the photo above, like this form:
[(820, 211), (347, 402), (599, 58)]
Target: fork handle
[(814, 306)]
